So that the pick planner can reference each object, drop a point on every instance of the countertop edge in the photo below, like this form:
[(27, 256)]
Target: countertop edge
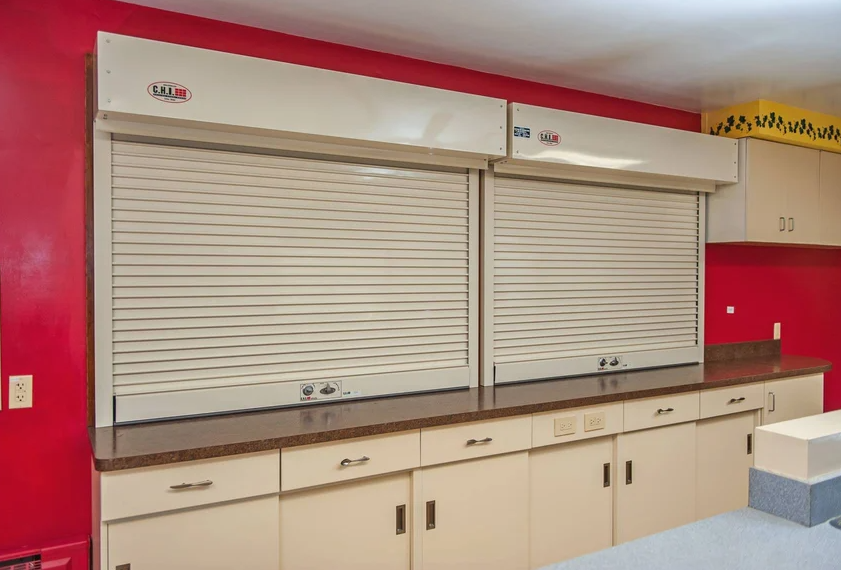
[(240, 448)]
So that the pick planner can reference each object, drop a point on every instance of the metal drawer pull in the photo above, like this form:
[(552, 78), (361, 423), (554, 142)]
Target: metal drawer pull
[(736, 400), (750, 444), (401, 519), (629, 472), (475, 441), (772, 402), (791, 224), (665, 410), (430, 515), (346, 462), (207, 483), (782, 224), (606, 475)]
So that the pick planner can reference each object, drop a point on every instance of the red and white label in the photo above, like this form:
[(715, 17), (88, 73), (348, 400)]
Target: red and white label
[(169, 92), (549, 138)]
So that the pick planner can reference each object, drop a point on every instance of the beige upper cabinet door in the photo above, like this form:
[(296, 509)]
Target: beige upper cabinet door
[(571, 500), (830, 198), (655, 487), (234, 535), (480, 516), (792, 399), (783, 193), (724, 455), (362, 525), (804, 196)]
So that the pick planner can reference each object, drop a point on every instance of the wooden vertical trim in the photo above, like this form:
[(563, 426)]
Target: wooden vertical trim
[(90, 70)]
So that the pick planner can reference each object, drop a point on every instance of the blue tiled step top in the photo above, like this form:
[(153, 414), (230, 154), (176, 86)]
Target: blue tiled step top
[(740, 540)]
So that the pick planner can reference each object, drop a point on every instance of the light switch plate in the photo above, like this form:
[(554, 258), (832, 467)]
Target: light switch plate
[(20, 392), (777, 331), (731, 310), (565, 425), (594, 421)]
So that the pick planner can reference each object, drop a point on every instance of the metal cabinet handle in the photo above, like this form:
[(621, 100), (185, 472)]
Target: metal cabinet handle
[(606, 475), (750, 443), (736, 400), (665, 411), (475, 441), (346, 462), (782, 224), (430, 515), (401, 519), (182, 486), (791, 224), (772, 402), (629, 472)]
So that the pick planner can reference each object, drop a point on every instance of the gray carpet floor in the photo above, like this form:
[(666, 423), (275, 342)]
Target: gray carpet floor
[(745, 539)]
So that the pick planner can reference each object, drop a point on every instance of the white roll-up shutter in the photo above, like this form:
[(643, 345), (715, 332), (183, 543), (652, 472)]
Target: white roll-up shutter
[(235, 271), (585, 272)]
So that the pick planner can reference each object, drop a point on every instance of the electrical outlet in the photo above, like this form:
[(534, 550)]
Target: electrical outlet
[(594, 421), (20, 392), (565, 425)]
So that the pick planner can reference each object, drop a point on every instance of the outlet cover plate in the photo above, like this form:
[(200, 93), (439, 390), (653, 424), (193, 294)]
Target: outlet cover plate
[(20, 392), (565, 425), (594, 421)]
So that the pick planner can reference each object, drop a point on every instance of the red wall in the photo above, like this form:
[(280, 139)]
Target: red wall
[(797, 287), (44, 453)]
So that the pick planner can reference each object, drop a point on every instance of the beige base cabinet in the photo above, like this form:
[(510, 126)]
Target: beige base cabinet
[(359, 525), (476, 514), (571, 504), (724, 448), (234, 535), (792, 398), (655, 490)]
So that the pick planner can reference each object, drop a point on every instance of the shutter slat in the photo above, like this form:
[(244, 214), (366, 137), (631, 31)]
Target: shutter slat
[(591, 271), (234, 269), (597, 349), (163, 383), (240, 366), (254, 336)]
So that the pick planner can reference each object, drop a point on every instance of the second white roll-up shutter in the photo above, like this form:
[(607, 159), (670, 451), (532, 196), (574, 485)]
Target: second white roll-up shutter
[(589, 278), (237, 277)]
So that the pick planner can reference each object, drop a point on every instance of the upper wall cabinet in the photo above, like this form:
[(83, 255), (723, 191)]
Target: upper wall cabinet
[(780, 196)]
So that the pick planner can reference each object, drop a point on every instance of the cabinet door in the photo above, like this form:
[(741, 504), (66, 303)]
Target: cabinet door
[(724, 456), (655, 490), (830, 198), (769, 177), (804, 196), (221, 537), (479, 519), (571, 504), (792, 399), (352, 526)]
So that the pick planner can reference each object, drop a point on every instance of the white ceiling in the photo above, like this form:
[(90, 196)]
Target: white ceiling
[(688, 54)]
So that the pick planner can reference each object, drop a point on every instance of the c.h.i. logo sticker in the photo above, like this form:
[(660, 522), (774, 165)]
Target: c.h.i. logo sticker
[(169, 92), (549, 138)]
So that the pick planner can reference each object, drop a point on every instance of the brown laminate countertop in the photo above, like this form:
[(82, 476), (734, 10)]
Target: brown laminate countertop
[(143, 445)]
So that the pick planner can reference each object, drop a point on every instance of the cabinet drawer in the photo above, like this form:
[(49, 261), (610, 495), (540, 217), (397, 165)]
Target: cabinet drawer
[(661, 411), (476, 439), (157, 489), (333, 462), (731, 400), (544, 425)]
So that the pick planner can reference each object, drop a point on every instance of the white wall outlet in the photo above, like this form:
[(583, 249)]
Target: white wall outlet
[(565, 425), (731, 310), (777, 331), (20, 392), (594, 421)]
